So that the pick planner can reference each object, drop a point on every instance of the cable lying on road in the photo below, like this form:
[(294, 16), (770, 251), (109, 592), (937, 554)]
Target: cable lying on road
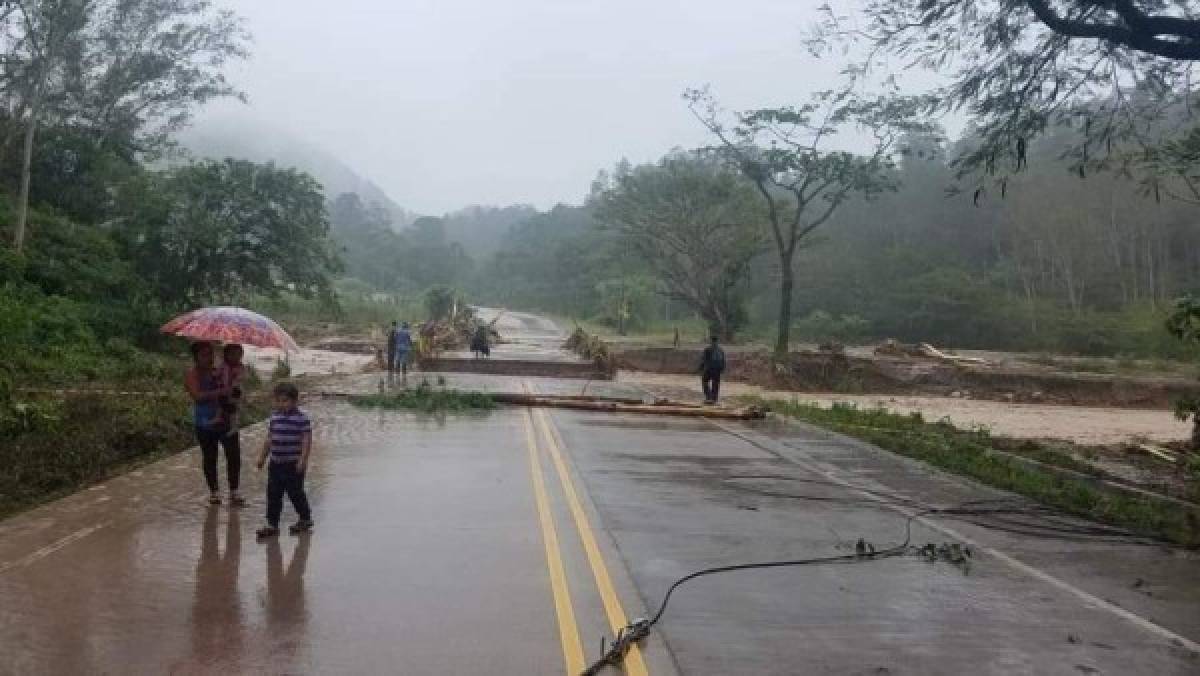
[(1001, 514), (640, 628), (987, 513)]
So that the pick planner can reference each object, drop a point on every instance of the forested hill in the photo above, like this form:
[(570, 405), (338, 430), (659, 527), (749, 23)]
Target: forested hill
[(243, 137), (482, 230)]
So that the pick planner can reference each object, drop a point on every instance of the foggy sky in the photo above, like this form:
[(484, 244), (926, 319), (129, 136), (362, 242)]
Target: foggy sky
[(445, 103)]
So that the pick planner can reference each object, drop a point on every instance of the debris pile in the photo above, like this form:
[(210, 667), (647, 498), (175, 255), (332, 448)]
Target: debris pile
[(455, 333), (894, 348), (591, 347)]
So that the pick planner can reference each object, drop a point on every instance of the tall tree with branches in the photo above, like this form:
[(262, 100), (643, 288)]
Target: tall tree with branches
[(695, 223), (124, 73), (1117, 73), (802, 181)]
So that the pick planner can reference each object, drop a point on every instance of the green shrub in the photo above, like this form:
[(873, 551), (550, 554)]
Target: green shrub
[(971, 453), (820, 325), (426, 399)]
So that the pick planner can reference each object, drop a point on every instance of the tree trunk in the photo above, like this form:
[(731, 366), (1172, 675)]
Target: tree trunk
[(26, 175), (786, 283), (621, 312)]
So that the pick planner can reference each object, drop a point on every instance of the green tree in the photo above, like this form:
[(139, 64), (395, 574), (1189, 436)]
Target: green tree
[(431, 258), (367, 243), (443, 302), (1184, 324), (551, 262), (785, 154), (1115, 73), (624, 300), (216, 231), (124, 73), (696, 224)]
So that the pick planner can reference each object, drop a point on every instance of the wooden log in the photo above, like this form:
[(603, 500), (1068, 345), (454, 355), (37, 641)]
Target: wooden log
[(1159, 452), (618, 405)]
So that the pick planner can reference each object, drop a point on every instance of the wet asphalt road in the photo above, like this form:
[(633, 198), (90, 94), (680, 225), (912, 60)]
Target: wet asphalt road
[(510, 542)]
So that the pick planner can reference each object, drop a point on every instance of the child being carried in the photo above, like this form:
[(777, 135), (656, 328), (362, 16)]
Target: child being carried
[(230, 376)]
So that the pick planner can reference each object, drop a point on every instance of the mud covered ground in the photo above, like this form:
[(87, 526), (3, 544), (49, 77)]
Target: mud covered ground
[(1079, 424)]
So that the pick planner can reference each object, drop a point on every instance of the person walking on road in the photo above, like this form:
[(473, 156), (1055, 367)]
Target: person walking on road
[(403, 348), (288, 445), (204, 386), (391, 348), (712, 365)]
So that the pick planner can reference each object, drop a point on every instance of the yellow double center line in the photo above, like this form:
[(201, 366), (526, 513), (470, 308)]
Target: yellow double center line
[(568, 628)]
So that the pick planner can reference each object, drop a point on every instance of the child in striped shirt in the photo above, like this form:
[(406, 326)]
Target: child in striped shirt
[(288, 444)]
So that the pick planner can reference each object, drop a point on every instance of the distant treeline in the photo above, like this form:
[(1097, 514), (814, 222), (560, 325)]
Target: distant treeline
[(1053, 262)]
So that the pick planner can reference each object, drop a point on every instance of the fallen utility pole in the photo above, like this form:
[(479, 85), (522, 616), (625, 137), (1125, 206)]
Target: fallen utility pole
[(618, 405)]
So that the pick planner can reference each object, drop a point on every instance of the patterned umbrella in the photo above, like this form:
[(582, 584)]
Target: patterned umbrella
[(230, 325)]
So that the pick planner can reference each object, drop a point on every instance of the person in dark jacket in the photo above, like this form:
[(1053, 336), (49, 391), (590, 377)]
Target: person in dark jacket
[(480, 342), (391, 348), (712, 365)]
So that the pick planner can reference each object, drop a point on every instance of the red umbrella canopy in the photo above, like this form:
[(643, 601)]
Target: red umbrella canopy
[(230, 325)]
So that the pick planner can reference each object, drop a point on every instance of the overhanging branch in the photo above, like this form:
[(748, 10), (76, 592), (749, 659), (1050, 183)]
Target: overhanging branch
[(1140, 32)]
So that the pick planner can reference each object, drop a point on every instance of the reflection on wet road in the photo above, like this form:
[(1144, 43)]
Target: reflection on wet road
[(510, 542)]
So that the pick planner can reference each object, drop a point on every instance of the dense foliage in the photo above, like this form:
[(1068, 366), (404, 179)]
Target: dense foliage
[(213, 232), (109, 80), (1062, 263), (694, 224), (1113, 80)]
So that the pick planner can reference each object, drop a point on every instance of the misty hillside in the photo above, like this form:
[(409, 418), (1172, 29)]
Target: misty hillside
[(482, 229), (246, 138)]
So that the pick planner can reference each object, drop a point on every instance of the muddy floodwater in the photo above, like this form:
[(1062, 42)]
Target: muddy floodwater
[(1080, 424)]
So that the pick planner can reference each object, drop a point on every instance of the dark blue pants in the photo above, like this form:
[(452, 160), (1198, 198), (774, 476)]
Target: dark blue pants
[(282, 477), (711, 382)]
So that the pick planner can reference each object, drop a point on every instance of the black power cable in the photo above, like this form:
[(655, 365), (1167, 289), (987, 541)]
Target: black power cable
[(640, 628), (994, 514), (984, 513)]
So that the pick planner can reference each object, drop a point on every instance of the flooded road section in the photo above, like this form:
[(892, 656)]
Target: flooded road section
[(427, 558), (509, 542)]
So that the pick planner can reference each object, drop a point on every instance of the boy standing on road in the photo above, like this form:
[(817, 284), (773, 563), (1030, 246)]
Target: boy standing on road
[(288, 444), (712, 365)]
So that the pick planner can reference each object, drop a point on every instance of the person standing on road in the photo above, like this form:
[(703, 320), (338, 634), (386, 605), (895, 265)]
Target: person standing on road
[(480, 342), (204, 386), (403, 347), (712, 365), (391, 348), (288, 445)]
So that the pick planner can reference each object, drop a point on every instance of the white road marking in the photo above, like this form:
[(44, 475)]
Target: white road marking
[(1088, 599), (52, 547)]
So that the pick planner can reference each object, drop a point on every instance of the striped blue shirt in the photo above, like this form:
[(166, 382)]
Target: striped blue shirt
[(287, 435)]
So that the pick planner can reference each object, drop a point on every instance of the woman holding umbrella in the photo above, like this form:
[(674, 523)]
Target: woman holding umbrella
[(228, 325), (212, 429)]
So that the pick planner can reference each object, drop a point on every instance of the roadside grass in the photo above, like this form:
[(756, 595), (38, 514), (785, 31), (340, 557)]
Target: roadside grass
[(426, 399), (65, 444), (972, 453)]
